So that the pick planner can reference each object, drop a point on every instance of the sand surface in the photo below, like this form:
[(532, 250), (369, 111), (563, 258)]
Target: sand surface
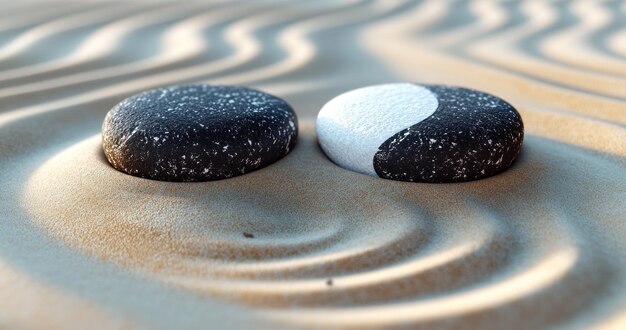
[(84, 246)]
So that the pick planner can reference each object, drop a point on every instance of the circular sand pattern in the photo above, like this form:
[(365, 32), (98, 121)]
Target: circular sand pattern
[(417, 133), (198, 132), (303, 242)]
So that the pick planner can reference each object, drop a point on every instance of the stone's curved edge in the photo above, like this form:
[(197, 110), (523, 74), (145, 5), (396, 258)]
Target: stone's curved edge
[(204, 150), (468, 152), (375, 112)]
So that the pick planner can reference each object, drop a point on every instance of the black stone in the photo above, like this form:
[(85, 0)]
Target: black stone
[(472, 135), (198, 132)]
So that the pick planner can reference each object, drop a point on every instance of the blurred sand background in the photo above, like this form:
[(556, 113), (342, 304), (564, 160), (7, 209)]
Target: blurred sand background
[(84, 246)]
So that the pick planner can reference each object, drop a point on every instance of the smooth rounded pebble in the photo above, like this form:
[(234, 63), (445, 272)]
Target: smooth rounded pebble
[(420, 133), (198, 132)]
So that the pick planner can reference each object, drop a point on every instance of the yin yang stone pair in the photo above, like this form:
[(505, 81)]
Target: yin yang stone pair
[(406, 132)]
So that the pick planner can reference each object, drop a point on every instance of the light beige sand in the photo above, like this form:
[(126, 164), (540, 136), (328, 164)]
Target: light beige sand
[(85, 246)]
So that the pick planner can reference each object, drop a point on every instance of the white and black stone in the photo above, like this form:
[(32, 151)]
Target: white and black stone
[(420, 133), (198, 132)]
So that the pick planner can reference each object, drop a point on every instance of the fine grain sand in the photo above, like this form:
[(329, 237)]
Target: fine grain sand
[(540, 245)]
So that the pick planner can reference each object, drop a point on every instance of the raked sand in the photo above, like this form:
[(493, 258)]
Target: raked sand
[(85, 246)]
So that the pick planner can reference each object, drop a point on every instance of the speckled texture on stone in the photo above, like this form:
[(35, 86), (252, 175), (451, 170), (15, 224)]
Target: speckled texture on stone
[(198, 132), (472, 135), (460, 135)]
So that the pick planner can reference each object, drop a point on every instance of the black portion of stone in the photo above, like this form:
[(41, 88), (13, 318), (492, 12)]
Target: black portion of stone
[(198, 132), (472, 135)]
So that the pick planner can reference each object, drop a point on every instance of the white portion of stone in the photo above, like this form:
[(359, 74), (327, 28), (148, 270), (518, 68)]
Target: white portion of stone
[(352, 126)]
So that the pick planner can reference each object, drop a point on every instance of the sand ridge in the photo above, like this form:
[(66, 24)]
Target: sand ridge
[(539, 245)]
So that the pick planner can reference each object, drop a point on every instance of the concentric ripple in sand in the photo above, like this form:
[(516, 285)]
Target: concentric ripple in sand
[(537, 246)]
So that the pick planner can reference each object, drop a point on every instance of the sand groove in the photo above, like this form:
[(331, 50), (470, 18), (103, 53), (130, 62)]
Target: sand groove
[(537, 246)]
